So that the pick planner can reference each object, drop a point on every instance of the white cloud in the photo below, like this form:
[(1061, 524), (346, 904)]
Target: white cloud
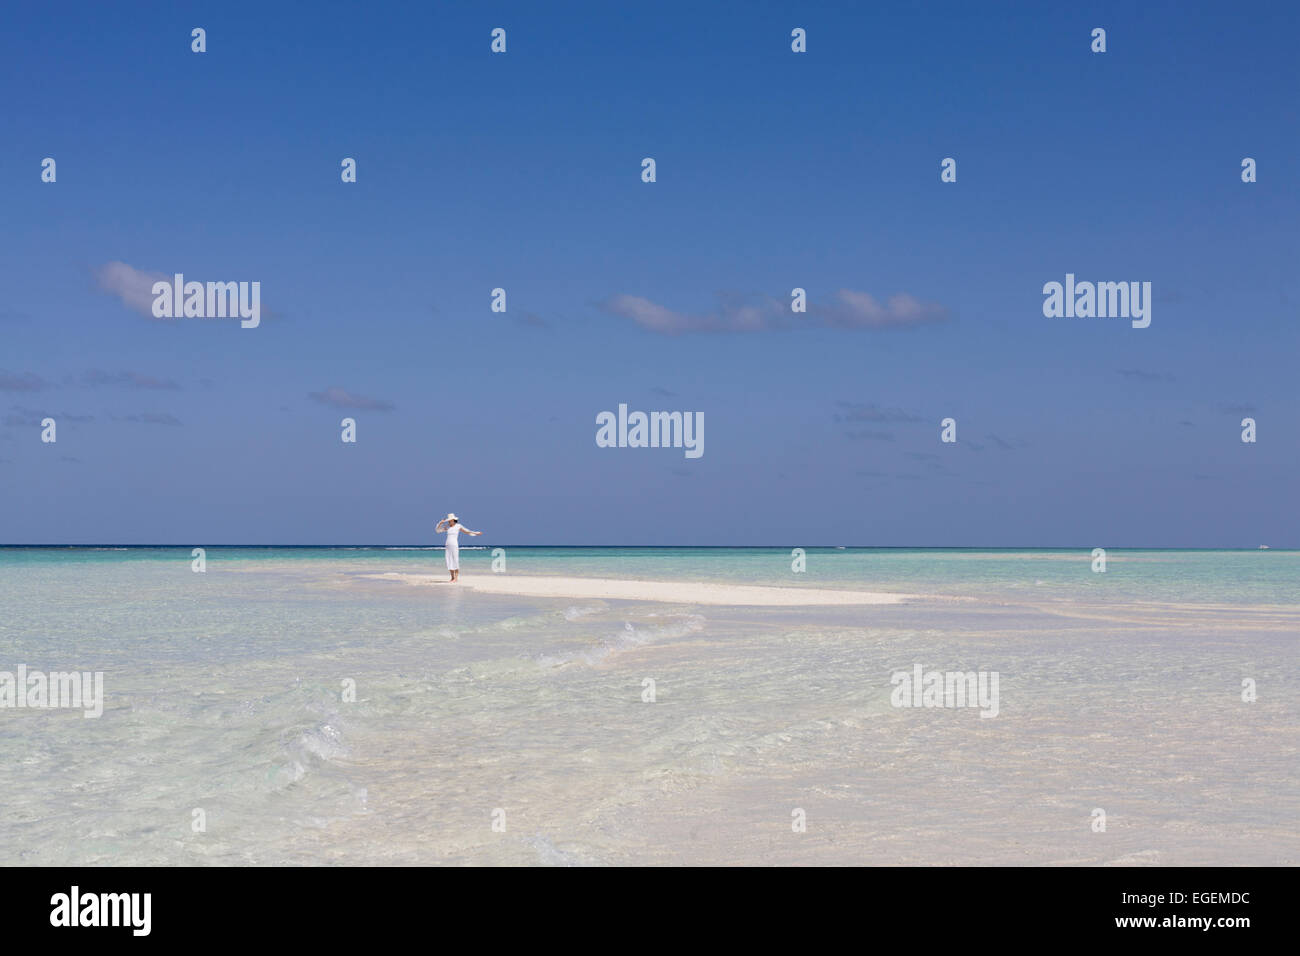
[(133, 287), (860, 310), (342, 398), (849, 310)]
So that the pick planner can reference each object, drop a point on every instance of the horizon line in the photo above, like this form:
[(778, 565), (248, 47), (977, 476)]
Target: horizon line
[(678, 547)]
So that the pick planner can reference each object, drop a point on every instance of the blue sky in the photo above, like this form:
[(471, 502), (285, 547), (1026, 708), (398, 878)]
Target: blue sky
[(775, 170)]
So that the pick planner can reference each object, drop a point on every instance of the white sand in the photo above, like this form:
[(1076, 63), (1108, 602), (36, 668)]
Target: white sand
[(676, 592)]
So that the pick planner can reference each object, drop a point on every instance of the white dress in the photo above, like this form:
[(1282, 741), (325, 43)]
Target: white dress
[(453, 547)]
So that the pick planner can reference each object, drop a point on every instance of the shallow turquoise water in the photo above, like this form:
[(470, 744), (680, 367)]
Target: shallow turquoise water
[(225, 694), (1206, 576)]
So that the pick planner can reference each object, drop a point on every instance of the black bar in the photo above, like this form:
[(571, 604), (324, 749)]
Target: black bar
[(960, 906)]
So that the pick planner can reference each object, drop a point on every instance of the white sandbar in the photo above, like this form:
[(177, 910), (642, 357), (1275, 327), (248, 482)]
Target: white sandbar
[(676, 592)]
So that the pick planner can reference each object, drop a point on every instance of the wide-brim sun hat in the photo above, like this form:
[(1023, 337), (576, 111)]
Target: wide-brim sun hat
[(451, 515)]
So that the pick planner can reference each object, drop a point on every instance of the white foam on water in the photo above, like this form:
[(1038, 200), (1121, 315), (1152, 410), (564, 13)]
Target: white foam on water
[(659, 628)]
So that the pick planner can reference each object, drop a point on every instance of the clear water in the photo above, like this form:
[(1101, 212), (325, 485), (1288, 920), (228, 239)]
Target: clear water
[(1206, 576), (1119, 691)]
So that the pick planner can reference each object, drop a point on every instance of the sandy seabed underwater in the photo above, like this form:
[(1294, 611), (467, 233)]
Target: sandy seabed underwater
[(225, 704)]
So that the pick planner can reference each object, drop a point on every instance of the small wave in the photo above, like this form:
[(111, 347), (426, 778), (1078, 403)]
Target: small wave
[(325, 743), (574, 612), (322, 744), (679, 625), (526, 621)]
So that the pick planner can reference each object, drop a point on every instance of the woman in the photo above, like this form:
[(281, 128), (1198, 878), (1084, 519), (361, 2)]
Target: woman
[(451, 524)]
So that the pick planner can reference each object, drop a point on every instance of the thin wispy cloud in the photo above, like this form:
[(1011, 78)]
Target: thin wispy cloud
[(858, 310), (20, 415), (95, 378), (341, 398), (149, 418), (657, 318), (862, 412), (1007, 444), (849, 309), (21, 382)]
